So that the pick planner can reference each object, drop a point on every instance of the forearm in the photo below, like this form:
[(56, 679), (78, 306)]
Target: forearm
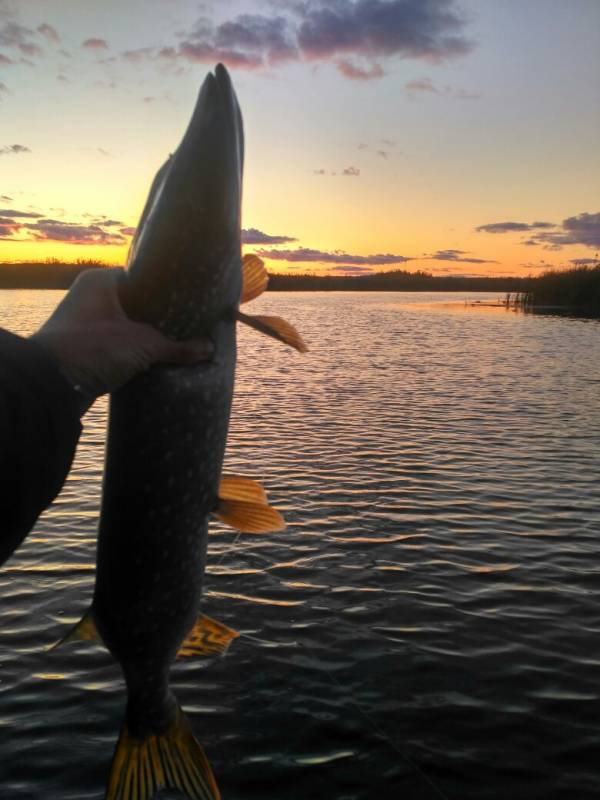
[(39, 430)]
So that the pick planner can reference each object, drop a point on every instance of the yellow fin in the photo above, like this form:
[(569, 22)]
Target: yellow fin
[(141, 767), (234, 487), (85, 630), (208, 637), (249, 517), (255, 278), (277, 328)]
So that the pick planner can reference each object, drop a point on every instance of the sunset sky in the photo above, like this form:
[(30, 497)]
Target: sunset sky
[(456, 137)]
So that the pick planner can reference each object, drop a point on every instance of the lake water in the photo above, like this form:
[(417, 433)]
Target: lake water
[(428, 626)]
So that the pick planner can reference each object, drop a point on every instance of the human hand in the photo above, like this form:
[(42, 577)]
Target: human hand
[(98, 347)]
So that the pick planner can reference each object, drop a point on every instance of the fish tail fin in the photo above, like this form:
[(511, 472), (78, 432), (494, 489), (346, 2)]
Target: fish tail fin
[(174, 759)]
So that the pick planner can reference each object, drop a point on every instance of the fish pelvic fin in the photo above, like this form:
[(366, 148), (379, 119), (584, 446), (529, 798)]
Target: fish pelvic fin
[(174, 759), (236, 487), (85, 630), (208, 637), (277, 328), (243, 505), (254, 277), (249, 517)]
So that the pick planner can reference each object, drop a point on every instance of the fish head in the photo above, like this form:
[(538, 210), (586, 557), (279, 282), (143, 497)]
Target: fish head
[(184, 266)]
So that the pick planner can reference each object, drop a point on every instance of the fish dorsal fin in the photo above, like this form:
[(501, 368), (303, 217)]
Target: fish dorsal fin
[(208, 637), (84, 631), (249, 517), (141, 766), (255, 278), (235, 487), (275, 327)]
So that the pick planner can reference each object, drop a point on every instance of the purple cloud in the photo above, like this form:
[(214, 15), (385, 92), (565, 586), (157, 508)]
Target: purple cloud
[(584, 262), (511, 227), (357, 73), (349, 269), (355, 35), (12, 212), (307, 254), (457, 255), (31, 49), (429, 30), (21, 226), (582, 229), (12, 34), (51, 230), (13, 149), (421, 85), (49, 32), (95, 44), (254, 236)]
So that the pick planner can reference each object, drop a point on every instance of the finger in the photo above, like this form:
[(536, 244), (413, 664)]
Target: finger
[(162, 350), (191, 352)]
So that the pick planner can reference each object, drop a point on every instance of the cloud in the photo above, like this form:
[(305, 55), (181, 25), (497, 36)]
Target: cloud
[(421, 85), (31, 49), (6, 199), (51, 230), (19, 226), (8, 227), (320, 171), (12, 34), (511, 227), (354, 35), (457, 255), (537, 264), (49, 32), (348, 269), (13, 149), (5, 60), (254, 236), (584, 262), (95, 44), (427, 85), (582, 229), (351, 171), (12, 212), (3, 88), (356, 73), (430, 30), (306, 255)]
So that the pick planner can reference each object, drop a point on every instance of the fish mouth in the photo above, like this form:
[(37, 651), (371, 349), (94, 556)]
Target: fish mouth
[(186, 251)]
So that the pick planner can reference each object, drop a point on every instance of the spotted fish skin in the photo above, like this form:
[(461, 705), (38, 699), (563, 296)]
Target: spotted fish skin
[(168, 427)]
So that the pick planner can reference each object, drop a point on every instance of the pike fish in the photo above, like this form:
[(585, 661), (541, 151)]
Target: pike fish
[(166, 443)]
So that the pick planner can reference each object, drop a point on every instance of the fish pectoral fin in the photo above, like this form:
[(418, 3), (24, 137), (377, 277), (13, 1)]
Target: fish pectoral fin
[(236, 487), (84, 631), (142, 767), (208, 637), (277, 328), (249, 517), (254, 277)]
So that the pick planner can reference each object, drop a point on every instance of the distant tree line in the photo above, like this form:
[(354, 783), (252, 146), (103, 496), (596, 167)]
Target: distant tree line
[(574, 288)]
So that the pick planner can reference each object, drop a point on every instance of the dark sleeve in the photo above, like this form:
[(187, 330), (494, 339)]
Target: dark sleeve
[(39, 429)]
